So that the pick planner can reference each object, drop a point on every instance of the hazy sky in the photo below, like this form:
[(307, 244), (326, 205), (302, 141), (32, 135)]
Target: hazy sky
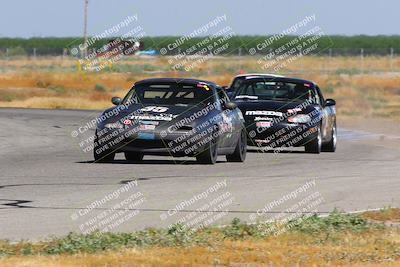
[(27, 18)]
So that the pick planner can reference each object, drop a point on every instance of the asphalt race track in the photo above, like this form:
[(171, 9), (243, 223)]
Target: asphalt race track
[(47, 181)]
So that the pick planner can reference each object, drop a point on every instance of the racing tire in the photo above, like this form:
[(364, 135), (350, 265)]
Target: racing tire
[(331, 145), (133, 156), (210, 154), (103, 157), (239, 155), (314, 146)]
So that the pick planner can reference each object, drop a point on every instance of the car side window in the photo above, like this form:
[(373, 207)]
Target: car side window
[(236, 83)]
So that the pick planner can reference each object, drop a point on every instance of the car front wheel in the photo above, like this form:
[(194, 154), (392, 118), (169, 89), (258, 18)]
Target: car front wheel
[(331, 145), (101, 155), (210, 154), (314, 146), (240, 150), (104, 156)]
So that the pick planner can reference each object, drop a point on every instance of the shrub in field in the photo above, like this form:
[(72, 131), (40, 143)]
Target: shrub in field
[(42, 84), (7, 98), (99, 87), (335, 221)]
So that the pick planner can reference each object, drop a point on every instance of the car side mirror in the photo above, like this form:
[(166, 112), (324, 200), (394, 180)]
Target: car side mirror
[(230, 105), (330, 102), (116, 100)]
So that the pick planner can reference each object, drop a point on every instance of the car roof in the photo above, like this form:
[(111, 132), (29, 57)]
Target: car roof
[(175, 80), (258, 74), (275, 77)]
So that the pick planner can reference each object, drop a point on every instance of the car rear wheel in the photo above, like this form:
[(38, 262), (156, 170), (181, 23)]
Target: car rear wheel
[(241, 148), (331, 145), (104, 156), (133, 156), (210, 154), (100, 155), (314, 146)]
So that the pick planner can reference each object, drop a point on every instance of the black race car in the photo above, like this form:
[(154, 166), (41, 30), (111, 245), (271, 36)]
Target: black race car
[(170, 116), (285, 112)]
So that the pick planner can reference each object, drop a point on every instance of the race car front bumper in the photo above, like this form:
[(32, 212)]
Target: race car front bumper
[(154, 142), (281, 134)]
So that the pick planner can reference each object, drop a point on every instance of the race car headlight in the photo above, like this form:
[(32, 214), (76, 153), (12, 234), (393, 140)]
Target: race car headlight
[(300, 118), (114, 125)]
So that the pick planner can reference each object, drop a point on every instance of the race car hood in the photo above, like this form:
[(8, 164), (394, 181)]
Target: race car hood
[(267, 108), (166, 113)]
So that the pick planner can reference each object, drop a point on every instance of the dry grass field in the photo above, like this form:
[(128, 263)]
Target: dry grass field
[(338, 240), (371, 249), (368, 87)]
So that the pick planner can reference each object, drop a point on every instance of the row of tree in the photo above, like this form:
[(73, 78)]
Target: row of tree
[(235, 45)]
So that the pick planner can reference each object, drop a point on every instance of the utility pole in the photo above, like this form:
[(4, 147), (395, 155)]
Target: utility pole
[(362, 60), (391, 58), (84, 52)]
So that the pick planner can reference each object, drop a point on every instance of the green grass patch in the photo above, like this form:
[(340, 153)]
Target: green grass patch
[(179, 236), (8, 98)]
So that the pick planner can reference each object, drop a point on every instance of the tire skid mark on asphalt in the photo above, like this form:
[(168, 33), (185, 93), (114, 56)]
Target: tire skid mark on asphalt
[(128, 180), (72, 184), (61, 184), (135, 179), (14, 203)]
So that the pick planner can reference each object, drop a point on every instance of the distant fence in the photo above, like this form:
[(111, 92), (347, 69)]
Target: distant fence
[(331, 52), (238, 45)]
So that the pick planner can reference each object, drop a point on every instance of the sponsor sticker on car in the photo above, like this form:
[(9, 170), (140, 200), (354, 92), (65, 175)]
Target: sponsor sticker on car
[(263, 113), (263, 119), (146, 127), (263, 124), (204, 86), (294, 110), (127, 122), (164, 117)]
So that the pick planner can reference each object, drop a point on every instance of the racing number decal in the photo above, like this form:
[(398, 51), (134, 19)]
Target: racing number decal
[(155, 109), (227, 125)]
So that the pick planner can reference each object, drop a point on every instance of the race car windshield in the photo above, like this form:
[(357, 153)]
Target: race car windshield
[(170, 94), (274, 90), (237, 82)]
